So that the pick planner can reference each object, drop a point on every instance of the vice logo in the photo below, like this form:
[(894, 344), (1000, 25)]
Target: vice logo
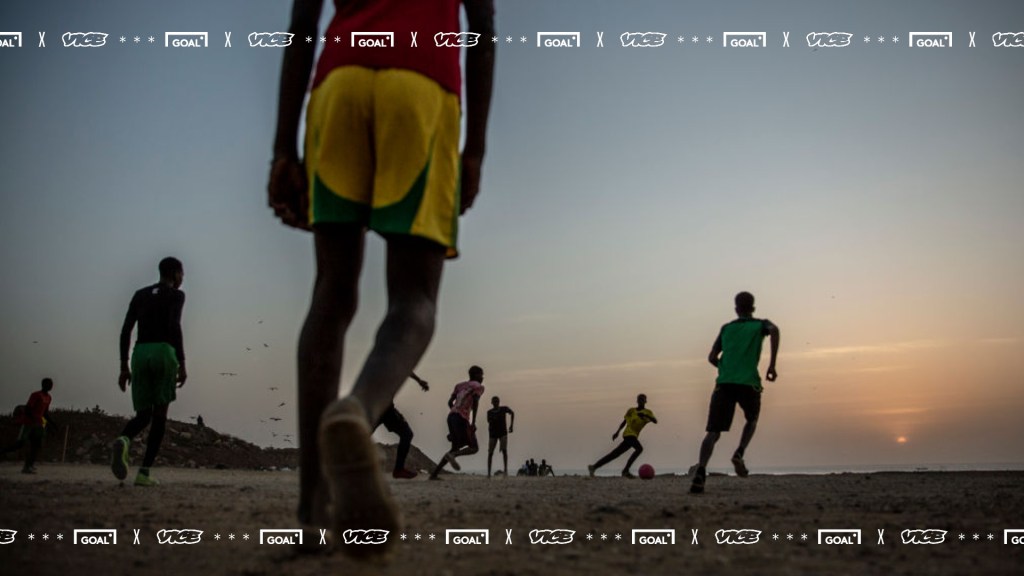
[(742, 536), (7, 536), (279, 537), (828, 39), (373, 39), (98, 536), (84, 39), (456, 39), (10, 39), (745, 39), (930, 40), (1008, 39), (558, 39), (557, 536), (270, 39), (174, 536), (642, 39), (370, 536), (926, 536), (186, 39)]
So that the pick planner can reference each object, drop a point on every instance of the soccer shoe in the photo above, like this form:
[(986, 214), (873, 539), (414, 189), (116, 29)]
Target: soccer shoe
[(741, 468), (591, 469), (119, 457), (145, 480), (627, 474), (360, 498), (451, 460), (403, 474), (699, 477)]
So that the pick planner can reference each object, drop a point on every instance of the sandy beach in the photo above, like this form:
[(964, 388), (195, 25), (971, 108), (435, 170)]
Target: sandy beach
[(775, 522)]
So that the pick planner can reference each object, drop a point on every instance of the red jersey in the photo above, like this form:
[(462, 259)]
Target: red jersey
[(400, 18), (38, 404)]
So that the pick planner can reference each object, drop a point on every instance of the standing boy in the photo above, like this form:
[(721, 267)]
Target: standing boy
[(498, 432)]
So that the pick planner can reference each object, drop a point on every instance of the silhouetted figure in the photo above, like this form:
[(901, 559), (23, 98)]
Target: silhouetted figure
[(199, 421), (736, 353), (395, 423), (533, 468), (33, 418), (463, 407), (633, 422), (498, 431), (157, 363)]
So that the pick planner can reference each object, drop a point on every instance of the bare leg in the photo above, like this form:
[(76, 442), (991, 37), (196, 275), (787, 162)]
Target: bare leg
[(707, 447), (339, 258), (748, 433)]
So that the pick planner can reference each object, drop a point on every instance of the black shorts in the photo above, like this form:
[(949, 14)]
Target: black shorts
[(723, 405), (460, 432), (395, 423)]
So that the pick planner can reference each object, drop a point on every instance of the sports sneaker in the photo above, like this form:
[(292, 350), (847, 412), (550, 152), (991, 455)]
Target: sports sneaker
[(119, 457), (451, 460), (404, 474), (741, 468), (627, 474), (145, 480), (699, 477), (591, 469)]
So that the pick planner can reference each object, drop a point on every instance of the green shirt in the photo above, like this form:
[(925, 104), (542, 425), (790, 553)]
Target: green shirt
[(740, 342)]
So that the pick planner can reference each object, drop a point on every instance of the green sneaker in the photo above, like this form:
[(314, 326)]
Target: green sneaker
[(144, 480), (119, 457)]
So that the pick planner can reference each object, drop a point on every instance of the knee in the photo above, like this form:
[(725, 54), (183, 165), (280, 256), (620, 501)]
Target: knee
[(416, 316)]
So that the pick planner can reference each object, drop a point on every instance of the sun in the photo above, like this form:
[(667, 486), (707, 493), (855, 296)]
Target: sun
[(901, 440)]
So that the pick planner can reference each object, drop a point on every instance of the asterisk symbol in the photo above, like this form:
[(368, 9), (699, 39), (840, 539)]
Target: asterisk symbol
[(245, 536), (680, 39), (47, 536), (508, 39), (231, 536), (604, 536), (991, 536), (337, 39), (33, 536), (432, 537), (896, 39), (60, 536), (803, 536), (867, 40), (151, 39), (522, 39), (123, 39), (775, 536), (216, 536), (962, 537), (136, 39), (976, 537), (309, 39), (590, 536), (404, 537), (494, 39), (418, 537), (709, 40), (323, 39), (618, 536), (789, 536), (881, 39), (695, 39)]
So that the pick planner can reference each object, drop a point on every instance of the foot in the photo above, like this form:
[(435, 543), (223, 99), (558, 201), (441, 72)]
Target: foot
[(433, 477), (591, 469), (699, 477), (450, 457), (348, 458), (145, 480), (741, 468), (404, 474), (28, 470), (119, 457), (627, 474)]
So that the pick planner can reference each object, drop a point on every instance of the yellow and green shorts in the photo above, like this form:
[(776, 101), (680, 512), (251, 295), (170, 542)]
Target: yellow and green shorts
[(382, 151)]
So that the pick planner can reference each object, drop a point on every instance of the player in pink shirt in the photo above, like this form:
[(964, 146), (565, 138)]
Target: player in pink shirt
[(463, 404)]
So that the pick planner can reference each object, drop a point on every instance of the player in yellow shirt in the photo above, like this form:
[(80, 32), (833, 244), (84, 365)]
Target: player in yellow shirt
[(633, 422)]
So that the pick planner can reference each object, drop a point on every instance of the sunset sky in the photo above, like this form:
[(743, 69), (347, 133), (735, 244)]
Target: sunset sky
[(869, 196)]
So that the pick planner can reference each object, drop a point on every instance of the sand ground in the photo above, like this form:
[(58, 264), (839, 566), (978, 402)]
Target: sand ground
[(62, 498)]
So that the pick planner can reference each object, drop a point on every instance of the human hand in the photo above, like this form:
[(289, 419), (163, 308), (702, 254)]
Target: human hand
[(772, 375), (287, 192), (182, 375), (470, 181), (124, 379)]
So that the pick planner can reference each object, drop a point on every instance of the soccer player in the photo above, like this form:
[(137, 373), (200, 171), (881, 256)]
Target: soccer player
[(463, 407), (33, 420), (633, 422), (381, 153), (736, 353), (397, 424), (157, 363), (498, 432)]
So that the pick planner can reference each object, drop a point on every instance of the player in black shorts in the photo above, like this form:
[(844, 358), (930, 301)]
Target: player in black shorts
[(395, 423), (498, 432)]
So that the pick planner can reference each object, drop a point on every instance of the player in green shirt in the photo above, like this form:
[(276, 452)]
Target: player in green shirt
[(736, 353)]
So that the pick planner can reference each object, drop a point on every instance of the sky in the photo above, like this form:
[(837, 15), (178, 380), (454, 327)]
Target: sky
[(869, 196)]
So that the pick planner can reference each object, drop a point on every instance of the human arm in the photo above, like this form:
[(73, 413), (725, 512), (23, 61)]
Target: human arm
[(476, 405), (177, 339), (286, 192), (716, 351), (479, 80), (621, 426), (513, 423), (773, 334), (130, 318), (423, 383)]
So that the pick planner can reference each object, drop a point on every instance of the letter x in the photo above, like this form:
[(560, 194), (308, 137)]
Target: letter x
[(323, 536), (508, 536), (600, 40), (694, 530), (42, 39), (881, 541), (413, 40), (972, 39), (785, 39), (136, 537), (227, 39)]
